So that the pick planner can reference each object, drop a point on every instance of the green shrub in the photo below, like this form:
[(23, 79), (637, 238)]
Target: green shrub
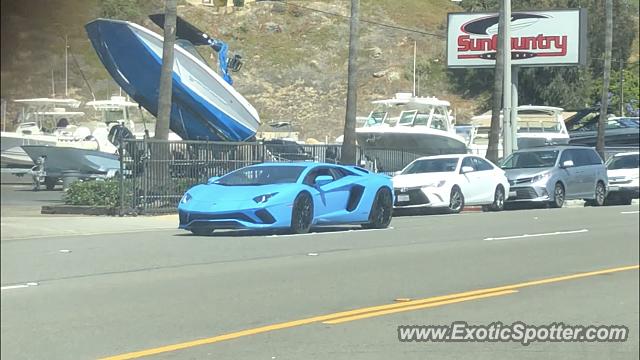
[(94, 193)]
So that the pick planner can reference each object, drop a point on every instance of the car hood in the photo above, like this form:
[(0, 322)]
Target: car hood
[(415, 180), (513, 174), (215, 192)]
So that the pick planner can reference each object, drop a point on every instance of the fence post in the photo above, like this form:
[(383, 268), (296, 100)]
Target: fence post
[(120, 150)]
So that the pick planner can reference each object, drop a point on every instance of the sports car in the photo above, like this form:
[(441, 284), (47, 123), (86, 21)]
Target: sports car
[(293, 196)]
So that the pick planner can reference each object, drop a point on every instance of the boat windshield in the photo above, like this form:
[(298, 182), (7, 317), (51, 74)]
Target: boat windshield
[(631, 161), (431, 166), (406, 117), (530, 159), (187, 45), (262, 175), (376, 118)]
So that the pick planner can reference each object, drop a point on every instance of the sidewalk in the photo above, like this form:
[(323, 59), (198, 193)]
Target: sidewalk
[(23, 227)]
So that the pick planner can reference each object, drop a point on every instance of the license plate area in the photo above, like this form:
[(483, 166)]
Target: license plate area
[(403, 198)]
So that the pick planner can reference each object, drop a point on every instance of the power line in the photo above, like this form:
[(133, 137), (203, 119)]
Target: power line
[(396, 27)]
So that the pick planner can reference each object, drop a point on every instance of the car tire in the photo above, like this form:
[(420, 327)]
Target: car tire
[(558, 196), (498, 199), (600, 194), (456, 201), (302, 214), (201, 231), (381, 210)]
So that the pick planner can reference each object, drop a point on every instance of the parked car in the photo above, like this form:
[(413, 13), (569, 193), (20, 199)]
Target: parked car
[(623, 172), (451, 182), (294, 196), (555, 174), (283, 149)]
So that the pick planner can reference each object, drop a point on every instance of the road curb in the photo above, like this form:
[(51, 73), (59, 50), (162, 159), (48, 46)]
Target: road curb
[(76, 210)]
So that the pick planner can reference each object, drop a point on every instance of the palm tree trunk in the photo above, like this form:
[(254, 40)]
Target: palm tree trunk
[(349, 141), (164, 98), (604, 102), (494, 132)]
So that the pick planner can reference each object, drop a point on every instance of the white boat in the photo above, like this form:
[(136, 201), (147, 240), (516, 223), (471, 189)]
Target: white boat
[(422, 126), (537, 126), (43, 122)]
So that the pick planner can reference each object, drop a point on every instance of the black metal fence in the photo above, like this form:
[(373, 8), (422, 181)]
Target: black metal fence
[(156, 173)]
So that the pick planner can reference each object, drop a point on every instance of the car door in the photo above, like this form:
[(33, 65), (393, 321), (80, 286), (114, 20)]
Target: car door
[(487, 178), (593, 171), (328, 198), (470, 182), (572, 176)]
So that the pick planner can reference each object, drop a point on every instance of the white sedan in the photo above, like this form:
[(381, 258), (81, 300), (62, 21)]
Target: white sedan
[(450, 181), (624, 178)]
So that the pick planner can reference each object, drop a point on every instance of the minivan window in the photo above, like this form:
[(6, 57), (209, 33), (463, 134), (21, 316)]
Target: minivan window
[(531, 159)]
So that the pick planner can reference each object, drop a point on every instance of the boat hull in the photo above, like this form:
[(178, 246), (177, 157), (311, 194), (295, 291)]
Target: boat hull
[(612, 137), (61, 159), (204, 106), (392, 150)]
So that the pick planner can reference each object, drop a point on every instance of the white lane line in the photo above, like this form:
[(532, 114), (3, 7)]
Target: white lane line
[(333, 232), (536, 235), (629, 212), (19, 286)]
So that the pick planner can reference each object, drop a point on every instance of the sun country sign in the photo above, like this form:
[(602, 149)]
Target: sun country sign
[(538, 38)]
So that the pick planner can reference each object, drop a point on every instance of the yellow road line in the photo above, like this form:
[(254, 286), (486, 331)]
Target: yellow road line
[(416, 307), (370, 311)]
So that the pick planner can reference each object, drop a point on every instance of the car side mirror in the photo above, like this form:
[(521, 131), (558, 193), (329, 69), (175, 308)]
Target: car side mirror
[(212, 179), (323, 180), (567, 164), (397, 172), (466, 169)]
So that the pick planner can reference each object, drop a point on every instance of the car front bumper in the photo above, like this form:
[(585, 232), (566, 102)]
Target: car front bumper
[(627, 190), (528, 194), (258, 217), (421, 197)]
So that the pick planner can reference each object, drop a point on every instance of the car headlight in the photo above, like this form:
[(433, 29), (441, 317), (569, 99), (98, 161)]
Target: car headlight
[(540, 177), (436, 184), (263, 198), (185, 199)]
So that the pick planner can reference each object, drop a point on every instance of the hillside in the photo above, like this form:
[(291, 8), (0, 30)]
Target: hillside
[(295, 58)]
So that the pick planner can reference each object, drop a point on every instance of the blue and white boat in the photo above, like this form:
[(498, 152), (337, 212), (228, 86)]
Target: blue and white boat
[(204, 105)]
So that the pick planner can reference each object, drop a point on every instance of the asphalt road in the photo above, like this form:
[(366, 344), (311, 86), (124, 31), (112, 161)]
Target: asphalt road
[(282, 297)]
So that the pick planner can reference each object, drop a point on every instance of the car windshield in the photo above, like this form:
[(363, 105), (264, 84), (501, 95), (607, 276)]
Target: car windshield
[(624, 162), (530, 159), (262, 175), (431, 165)]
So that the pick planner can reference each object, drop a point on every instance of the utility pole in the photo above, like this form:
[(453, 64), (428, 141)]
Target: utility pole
[(349, 142), (621, 86), (66, 66), (506, 81), (604, 102), (166, 72), (494, 132)]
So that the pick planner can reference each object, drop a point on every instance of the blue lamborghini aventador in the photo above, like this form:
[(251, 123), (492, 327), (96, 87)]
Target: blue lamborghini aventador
[(294, 196)]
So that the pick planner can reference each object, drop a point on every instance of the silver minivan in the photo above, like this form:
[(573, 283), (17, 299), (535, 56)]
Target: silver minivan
[(554, 174)]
